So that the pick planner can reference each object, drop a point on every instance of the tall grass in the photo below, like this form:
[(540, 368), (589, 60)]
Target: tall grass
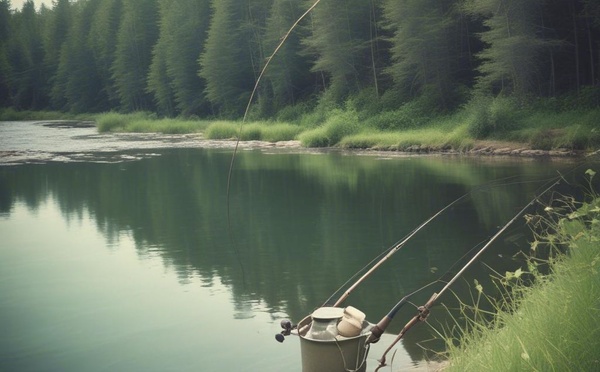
[(144, 122), (257, 131), (340, 124), (439, 137), (551, 325)]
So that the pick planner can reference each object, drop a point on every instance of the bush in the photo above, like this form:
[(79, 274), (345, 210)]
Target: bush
[(492, 116), (543, 139), (407, 117), (293, 113)]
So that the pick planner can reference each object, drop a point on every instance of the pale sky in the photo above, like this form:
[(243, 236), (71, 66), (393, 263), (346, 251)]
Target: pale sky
[(18, 4)]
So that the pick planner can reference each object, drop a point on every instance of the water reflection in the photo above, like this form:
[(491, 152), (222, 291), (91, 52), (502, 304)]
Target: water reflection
[(301, 224)]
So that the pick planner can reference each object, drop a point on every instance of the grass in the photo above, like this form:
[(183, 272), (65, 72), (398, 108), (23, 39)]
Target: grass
[(551, 325), (143, 122), (255, 131), (432, 138), (337, 126)]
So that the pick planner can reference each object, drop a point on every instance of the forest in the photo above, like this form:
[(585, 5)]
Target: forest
[(201, 58)]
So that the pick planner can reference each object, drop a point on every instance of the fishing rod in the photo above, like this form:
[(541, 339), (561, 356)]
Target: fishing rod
[(381, 259), (385, 255), (423, 311)]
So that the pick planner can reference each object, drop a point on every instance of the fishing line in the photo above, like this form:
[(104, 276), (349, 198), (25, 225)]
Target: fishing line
[(237, 142)]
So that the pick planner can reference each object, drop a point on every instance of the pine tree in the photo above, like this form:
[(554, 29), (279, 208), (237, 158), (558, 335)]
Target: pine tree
[(102, 41), (56, 29), (339, 42), (423, 58), (159, 84), (5, 68), (288, 73), (183, 28), (138, 32), (512, 44), (226, 64), (26, 57)]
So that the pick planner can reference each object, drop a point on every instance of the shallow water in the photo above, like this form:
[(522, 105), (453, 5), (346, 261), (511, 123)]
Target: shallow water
[(117, 253)]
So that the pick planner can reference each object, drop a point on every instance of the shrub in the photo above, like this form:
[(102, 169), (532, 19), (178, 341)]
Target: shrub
[(492, 116), (293, 113), (341, 124)]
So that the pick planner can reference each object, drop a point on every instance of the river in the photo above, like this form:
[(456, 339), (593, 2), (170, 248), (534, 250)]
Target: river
[(117, 252)]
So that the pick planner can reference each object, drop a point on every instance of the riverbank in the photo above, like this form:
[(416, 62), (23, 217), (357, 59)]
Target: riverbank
[(491, 126), (552, 324)]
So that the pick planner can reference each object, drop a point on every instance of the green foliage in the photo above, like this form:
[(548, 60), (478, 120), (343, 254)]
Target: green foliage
[(222, 130), (225, 64), (288, 72), (338, 125), (28, 83), (146, 122), (339, 50), (293, 113), (173, 78), (137, 35), (542, 327), (423, 58), (513, 44), (115, 122), (492, 117), (102, 40), (408, 116)]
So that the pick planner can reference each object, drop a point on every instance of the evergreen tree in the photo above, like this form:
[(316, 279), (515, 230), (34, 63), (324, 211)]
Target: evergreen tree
[(225, 64), (339, 41), (102, 41), (5, 68), (26, 58), (56, 28), (138, 31), (512, 44), (159, 84), (183, 29), (423, 57), (83, 82), (288, 73)]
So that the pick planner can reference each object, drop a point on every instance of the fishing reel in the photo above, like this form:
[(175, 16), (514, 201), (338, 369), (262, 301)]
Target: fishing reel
[(287, 330)]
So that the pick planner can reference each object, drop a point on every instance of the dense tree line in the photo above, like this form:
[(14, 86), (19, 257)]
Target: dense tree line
[(202, 57)]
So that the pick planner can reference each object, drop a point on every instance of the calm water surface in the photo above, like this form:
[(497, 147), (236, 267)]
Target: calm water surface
[(117, 256)]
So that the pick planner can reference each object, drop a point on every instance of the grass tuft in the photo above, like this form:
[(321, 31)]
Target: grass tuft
[(144, 122), (255, 131)]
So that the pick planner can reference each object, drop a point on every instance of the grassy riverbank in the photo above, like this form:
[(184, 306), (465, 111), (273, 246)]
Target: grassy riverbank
[(543, 125), (358, 124), (553, 324)]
